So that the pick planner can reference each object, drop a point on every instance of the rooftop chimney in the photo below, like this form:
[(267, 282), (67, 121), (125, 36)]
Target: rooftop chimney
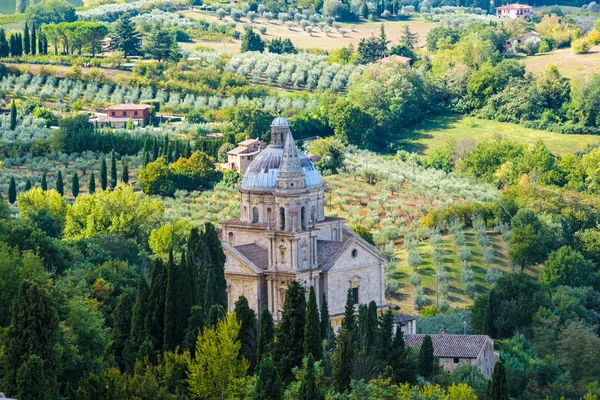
[(442, 332)]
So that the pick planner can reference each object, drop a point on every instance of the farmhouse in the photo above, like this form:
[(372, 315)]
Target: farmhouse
[(283, 235), (454, 350), (239, 158), (514, 11), (395, 58), (518, 41), (118, 115)]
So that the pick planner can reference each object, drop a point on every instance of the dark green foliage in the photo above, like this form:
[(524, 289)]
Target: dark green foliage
[(125, 37), (113, 170), (139, 328), (568, 267), (31, 380), (427, 362), (160, 43), (28, 184), (368, 329), (282, 46), (121, 318), (325, 322), (289, 339), (498, 388), (75, 184), (268, 382), (251, 41), (216, 313), (170, 307), (154, 149), (194, 327), (51, 12), (26, 40), (349, 321), (402, 361), (13, 115), (344, 360), (385, 336), (155, 320), (103, 175), (33, 331), (33, 38), (248, 331), (490, 315), (266, 335), (309, 390), (60, 188), (528, 239), (12, 190), (215, 292), (44, 184), (364, 233), (4, 46), (187, 298), (92, 183), (312, 330)]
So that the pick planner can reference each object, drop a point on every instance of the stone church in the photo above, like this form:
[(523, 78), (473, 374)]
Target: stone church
[(283, 234)]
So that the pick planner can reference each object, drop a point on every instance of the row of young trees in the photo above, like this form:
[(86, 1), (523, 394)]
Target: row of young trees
[(31, 41)]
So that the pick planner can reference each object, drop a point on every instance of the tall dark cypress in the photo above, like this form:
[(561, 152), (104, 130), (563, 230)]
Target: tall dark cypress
[(28, 184), (155, 149), (268, 382), (344, 359), (113, 170), (188, 150), (4, 45), (288, 347), (426, 365), (309, 390), (385, 338), (13, 115), (170, 309), (26, 39), (313, 344), (195, 324), (490, 315), (177, 152), (403, 366), (248, 331), (31, 382), (103, 175), (60, 186), (75, 184), (124, 173), (187, 296), (198, 255), (166, 151), (33, 331), (349, 320), (498, 388), (92, 183), (216, 284), (266, 335), (44, 184), (12, 190), (33, 39), (325, 322), (145, 153), (156, 315), (121, 317), (138, 334), (370, 329)]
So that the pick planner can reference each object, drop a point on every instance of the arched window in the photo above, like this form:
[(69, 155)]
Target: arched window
[(254, 215), (282, 218), (230, 238), (245, 212), (303, 218)]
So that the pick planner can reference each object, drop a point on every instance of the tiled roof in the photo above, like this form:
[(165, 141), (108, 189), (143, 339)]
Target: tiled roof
[(327, 250), (255, 253), (238, 150), (514, 7), (402, 59), (403, 318), (129, 107), (248, 142), (446, 346)]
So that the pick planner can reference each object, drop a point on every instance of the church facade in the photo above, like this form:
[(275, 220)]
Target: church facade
[(283, 235)]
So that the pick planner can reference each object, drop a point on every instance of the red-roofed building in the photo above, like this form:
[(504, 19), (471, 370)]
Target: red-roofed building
[(514, 11), (118, 115)]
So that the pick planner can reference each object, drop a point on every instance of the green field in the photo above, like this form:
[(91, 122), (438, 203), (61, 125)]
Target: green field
[(8, 6), (441, 131)]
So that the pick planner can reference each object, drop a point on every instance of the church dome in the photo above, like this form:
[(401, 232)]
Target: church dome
[(262, 171), (280, 121)]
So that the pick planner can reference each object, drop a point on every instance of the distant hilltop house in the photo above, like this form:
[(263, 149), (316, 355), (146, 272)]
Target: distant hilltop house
[(455, 350), (239, 158), (400, 59), (118, 115), (518, 41), (514, 11)]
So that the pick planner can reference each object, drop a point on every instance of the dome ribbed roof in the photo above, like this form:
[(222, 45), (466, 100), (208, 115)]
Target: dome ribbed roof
[(280, 121), (262, 171)]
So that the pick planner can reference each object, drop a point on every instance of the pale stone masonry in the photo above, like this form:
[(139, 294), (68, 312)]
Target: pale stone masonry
[(283, 235)]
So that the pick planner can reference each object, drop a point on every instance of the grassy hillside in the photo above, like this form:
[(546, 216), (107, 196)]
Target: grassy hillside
[(443, 130), (569, 64), (8, 6)]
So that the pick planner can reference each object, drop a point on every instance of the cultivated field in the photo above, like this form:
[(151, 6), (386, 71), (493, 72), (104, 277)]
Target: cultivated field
[(443, 130)]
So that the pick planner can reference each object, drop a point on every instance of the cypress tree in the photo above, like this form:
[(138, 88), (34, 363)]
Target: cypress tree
[(33, 39), (170, 310), (145, 153), (268, 382), (113, 170), (385, 334), (325, 322), (19, 44), (60, 187), (288, 347), (490, 315), (198, 255), (124, 173), (75, 184), (166, 152), (44, 184), (103, 175), (13, 115), (139, 326), (195, 324), (266, 335), (31, 381), (33, 331), (188, 150), (370, 329), (498, 388), (92, 183), (26, 39), (177, 152), (349, 321), (156, 312), (45, 45), (344, 360), (155, 149), (313, 344), (248, 331), (12, 190), (216, 284), (187, 296), (402, 366), (4, 46), (426, 365), (309, 390), (27, 184), (215, 315), (121, 317)]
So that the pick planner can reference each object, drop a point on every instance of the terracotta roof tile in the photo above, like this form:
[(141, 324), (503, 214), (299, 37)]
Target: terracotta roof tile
[(129, 107), (255, 253), (446, 346)]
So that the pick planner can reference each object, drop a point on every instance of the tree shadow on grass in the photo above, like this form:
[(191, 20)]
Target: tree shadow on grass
[(407, 137)]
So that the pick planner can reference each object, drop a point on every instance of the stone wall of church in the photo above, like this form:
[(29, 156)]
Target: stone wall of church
[(247, 286)]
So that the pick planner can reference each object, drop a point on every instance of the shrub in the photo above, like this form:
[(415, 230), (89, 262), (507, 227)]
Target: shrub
[(531, 46), (580, 46)]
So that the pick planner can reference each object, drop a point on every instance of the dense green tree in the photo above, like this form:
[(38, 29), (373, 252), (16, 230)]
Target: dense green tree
[(26, 39), (498, 388), (268, 382), (28, 185), (188, 297), (13, 115), (313, 344), (92, 183), (103, 175), (155, 149), (156, 308), (33, 38), (344, 359), (60, 188), (385, 337), (252, 120), (195, 324), (349, 122), (325, 321), (289, 339), (215, 292), (124, 36), (309, 389), (44, 183), (12, 190), (248, 331), (216, 314), (170, 307), (427, 362), (402, 361), (528, 239), (32, 332), (121, 330), (75, 185), (266, 335), (160, 43), (568, 267), (4, 45), (51, 12), (490, 315), (138, 335), (251, 41), (349, 321), (31, 380), (369, 329), (282, 46), (113, 170)]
